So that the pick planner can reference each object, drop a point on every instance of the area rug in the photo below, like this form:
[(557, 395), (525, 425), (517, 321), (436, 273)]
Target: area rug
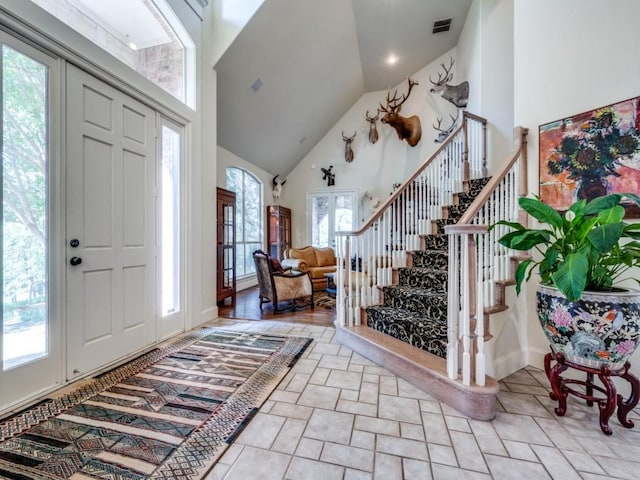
[(169, 414), (324, 300)]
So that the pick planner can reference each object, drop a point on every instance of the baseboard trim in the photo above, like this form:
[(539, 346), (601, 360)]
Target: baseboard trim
[(422, 369), (508, 364), (536, 357)]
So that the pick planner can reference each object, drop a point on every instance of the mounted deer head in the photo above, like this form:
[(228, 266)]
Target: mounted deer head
[(456, 94), (444, 133), (407, 128), (373, 131), (277, 186), (348, 151)]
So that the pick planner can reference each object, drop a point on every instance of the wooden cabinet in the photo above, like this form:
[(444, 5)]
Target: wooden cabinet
[(279, 230), (226, 254)]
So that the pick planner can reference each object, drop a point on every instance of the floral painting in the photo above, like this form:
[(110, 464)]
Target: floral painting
[(591, 154)]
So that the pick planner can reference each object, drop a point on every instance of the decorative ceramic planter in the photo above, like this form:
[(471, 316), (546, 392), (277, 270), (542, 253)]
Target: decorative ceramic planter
[(602, 328)]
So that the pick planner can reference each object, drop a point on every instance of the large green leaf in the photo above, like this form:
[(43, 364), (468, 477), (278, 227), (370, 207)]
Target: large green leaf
[(605, 237), (541, 211), (611, 215), (571, 276), (633, 197), (514, 225), (520, 274), (602, 203), (525, 239), (584, 227)]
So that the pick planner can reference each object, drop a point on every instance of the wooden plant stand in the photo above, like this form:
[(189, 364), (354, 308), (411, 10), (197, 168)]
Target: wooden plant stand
[(607, 403)]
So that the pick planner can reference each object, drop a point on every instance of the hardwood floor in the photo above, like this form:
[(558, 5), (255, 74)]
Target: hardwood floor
[(247, 307)]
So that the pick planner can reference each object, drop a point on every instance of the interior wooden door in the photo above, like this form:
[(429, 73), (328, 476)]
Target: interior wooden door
[(111, 216), (226, 248)]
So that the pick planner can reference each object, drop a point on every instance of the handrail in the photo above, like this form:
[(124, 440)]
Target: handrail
[(480, 263), (519, 151), (381, 209)]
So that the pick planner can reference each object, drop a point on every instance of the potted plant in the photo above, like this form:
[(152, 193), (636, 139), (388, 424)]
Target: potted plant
[(582, 256)]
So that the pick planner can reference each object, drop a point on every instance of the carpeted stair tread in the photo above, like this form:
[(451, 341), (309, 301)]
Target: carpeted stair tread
[(419, 300), (437, 241), (423, 277), (475, 186), (435, 259), (440, 224), (425, 333), (455, 212)]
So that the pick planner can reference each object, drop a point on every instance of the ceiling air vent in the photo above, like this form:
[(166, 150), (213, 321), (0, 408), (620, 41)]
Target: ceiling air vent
[(442, 25), (256, 85)]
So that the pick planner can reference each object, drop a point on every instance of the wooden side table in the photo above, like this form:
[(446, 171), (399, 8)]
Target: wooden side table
[(607, 404)]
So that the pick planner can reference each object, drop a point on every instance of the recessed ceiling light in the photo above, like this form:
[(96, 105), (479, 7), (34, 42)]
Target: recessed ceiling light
[(133, 46), (392, 59)]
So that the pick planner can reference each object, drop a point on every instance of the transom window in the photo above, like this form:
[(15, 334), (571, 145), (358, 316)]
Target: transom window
[(144, 34), (248, 190)]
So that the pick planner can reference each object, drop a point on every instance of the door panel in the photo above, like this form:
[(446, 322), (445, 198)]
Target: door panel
[(30, 318), (111, 211), (330, 212)]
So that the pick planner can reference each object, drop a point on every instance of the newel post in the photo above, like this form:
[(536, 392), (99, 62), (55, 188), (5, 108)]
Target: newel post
[(465, 152)]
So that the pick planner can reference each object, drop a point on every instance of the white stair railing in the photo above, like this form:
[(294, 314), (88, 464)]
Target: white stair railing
[(368, 257), (477, 262)]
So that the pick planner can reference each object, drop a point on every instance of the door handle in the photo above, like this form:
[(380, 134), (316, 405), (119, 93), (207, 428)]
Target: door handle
[(75, 261)]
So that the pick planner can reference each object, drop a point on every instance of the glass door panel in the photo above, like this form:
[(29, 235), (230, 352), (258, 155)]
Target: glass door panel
[(29, 328), (171, 154), (24, 209), (330, 212)]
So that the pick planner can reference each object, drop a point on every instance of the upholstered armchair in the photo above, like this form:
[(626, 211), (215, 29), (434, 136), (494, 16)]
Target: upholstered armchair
[(278, 287)]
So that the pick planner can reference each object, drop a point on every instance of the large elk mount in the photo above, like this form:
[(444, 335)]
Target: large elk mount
[(407, 128)]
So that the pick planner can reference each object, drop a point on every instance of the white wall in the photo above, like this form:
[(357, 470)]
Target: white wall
[(485, 59), (570, 57), (229, 18), (227, 159), (377, 167)]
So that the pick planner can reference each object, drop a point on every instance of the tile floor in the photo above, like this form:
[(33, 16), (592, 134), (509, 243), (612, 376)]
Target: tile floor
[(339, 416)]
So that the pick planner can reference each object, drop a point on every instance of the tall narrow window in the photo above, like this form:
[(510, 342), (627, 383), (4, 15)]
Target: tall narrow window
[(24, 208), (171, 153), (249, 234)]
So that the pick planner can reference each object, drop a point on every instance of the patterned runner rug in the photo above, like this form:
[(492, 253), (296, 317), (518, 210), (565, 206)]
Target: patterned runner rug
[(169, 414)]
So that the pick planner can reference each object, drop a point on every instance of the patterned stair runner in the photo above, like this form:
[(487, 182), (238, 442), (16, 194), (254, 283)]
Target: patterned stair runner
[(415, 310)]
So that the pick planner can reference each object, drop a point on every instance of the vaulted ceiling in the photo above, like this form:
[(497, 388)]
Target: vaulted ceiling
[(299, 65)]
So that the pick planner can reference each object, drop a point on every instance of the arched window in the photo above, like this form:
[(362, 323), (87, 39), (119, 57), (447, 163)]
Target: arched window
[(249, 235)]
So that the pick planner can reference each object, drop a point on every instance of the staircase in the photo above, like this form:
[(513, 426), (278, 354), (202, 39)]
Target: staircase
[(422, 277), (415, 310)]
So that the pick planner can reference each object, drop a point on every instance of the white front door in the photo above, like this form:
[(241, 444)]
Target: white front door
[(111, 217)]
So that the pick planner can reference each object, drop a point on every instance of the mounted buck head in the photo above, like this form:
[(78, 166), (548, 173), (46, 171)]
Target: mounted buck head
[(348, 151), (373, 131), (277, 186), (407, 128), (444, 133), (456, 94)]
